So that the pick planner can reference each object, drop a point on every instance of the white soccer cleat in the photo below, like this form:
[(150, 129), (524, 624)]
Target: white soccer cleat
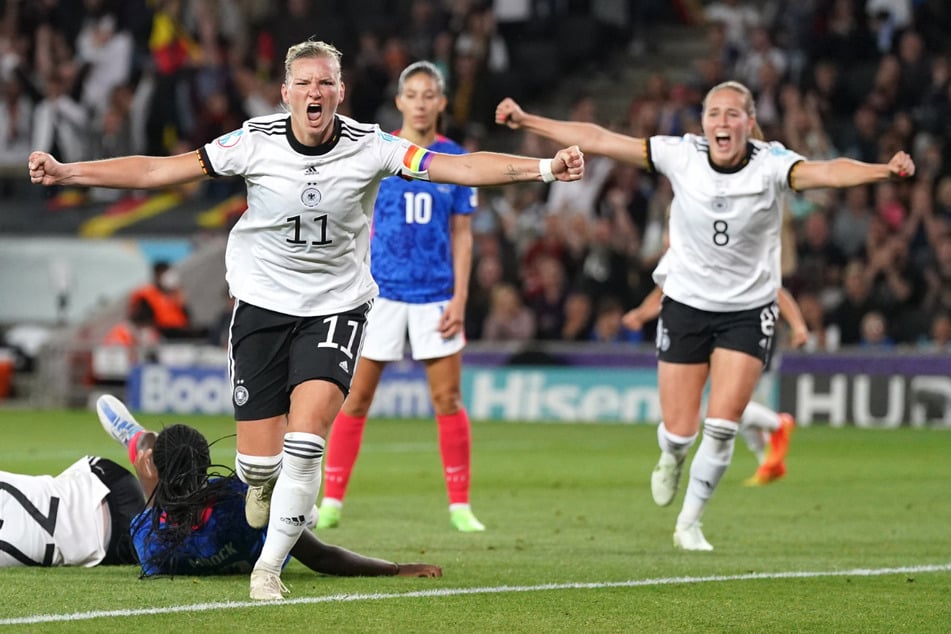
[(257, 505), (665, 479), (117, 420), (691, 538), (267, 586)]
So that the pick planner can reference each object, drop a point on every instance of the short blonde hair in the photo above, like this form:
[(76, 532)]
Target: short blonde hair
[(310, 49)]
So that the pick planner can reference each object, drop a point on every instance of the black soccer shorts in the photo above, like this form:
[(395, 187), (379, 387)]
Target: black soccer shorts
[(271, 353), (689, 335)]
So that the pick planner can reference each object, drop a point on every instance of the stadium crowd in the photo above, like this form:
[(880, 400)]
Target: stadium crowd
[(870, 265)]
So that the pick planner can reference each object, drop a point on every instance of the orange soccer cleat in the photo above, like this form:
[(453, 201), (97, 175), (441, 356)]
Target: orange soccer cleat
[(774, 466)]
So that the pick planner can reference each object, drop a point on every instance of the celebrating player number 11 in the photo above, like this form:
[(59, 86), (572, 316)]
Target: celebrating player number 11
[(298, 267)]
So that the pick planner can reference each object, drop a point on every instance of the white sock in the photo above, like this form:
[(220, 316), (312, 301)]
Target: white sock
[(256, 471), (709, 464), (756, 424), (678, 446), (293, 499)]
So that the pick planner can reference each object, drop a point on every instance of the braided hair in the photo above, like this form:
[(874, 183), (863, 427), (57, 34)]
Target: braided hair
[(186, 488)]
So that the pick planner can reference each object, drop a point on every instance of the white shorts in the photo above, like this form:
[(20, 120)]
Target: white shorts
[(389, 322)]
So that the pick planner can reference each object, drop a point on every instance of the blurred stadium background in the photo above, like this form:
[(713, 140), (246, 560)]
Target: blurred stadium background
[(871, 267)]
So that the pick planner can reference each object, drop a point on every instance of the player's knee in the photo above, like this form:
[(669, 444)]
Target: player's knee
[(446, 402)]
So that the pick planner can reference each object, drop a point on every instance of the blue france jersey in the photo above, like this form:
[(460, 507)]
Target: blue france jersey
[(224, 544), (411, 245)]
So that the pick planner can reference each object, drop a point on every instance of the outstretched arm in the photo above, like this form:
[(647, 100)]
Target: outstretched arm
[(126, 172), (334, 560), (845, 172), (590, 137), (491, 168)]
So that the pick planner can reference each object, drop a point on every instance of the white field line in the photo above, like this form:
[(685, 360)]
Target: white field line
[(451, 592)]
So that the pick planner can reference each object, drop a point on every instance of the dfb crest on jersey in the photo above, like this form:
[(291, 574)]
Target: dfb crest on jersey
[(311, 196)]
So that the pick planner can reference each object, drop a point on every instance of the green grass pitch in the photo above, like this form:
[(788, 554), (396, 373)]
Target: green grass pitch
[(855, 539)]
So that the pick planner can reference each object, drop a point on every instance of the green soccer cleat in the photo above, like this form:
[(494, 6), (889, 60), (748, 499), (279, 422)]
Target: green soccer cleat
[(464, 521), (328, 516)]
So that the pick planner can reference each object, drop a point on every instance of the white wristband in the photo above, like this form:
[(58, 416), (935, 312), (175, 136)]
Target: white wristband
[(544, 166)]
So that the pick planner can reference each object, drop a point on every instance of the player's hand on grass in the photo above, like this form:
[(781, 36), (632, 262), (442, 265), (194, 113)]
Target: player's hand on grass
[(418, 570)]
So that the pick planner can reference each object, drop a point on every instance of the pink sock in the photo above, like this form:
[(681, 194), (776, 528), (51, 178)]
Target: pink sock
[(343, 445), (455, 446), (133, 446)]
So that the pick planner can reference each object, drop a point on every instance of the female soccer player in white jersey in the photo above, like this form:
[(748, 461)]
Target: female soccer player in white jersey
[(719, 311), (422, 253), (298, 266)]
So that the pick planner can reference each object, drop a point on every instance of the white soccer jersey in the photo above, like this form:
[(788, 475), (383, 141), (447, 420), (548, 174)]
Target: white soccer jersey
[(47, 521), (303, 245), (724, 224)]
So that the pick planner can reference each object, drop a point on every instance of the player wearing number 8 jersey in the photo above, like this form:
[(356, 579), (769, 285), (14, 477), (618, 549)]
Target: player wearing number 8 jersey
[(298, 266), (422, 252), (722, 273)]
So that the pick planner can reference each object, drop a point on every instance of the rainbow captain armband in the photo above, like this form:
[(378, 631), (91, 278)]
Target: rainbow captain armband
[(416, 162)]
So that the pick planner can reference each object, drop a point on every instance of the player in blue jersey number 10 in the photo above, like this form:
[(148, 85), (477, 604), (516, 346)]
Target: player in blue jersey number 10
[(422, 253)]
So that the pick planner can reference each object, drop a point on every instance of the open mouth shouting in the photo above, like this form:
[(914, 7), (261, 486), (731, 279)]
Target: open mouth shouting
[(314, 111), (722, 139)]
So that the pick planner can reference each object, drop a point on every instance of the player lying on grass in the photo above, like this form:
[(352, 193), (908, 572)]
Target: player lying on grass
[(175, 519), (760, 426)]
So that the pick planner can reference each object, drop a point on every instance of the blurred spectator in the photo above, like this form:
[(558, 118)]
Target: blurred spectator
[(846, 317), (173, 52), (851, 221), (814, 317), (607, 323), (761, 52), (939, 333), (508, 318), (737, 17), (578, 317), (861, 138), (487, 275), (137, 331), (938, 278), (820, 260), (875, 331), (470, 99), (133, 340), (61, 124), (521, 211), (164, 297), (898, 288), (845, 36), (16, 124), (105, 53), (548, 299)]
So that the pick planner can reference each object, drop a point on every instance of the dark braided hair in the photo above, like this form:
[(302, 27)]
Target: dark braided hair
[(186, 488)]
